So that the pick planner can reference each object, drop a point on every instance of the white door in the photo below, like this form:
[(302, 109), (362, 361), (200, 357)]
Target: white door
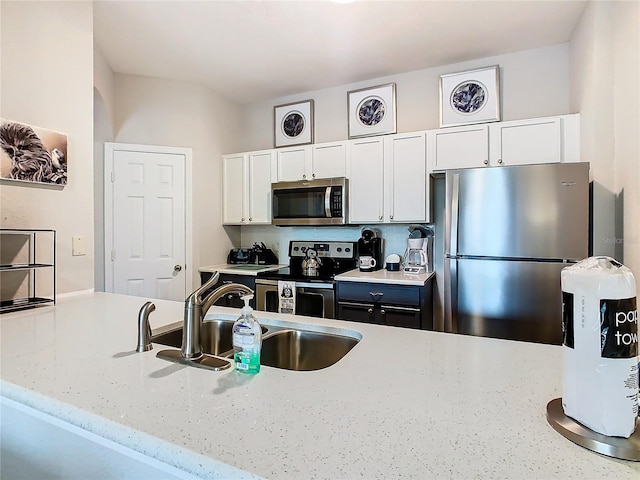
[(146, 216)]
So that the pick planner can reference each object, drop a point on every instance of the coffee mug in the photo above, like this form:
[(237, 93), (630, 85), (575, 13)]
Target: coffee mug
[(367, 262)]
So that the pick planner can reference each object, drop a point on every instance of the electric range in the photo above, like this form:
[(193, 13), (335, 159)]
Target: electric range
[(315, 294)]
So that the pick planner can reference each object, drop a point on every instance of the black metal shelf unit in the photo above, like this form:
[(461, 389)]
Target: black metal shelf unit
[(21, 250)]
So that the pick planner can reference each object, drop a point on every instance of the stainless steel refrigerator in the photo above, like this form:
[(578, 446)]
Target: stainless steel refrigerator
[(509, 231)]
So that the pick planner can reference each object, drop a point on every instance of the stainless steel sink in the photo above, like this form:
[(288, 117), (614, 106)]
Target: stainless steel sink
[(282, 347), (304, 350), (215, 335)]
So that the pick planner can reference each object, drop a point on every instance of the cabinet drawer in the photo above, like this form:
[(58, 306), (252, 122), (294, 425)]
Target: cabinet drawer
[(379, 293), (400, 317), (357, 312)]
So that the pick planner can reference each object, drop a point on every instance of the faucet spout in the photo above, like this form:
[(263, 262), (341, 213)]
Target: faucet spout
[(195, 309), (144, 329)]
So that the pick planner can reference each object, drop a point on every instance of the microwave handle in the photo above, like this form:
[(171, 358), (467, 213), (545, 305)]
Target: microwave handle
[(327, 202)]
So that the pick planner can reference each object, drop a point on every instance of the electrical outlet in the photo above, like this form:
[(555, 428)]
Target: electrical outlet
[(78, 246)]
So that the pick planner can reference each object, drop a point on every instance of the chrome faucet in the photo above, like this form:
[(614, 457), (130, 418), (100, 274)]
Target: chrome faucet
[(144, 329), (195, 309)]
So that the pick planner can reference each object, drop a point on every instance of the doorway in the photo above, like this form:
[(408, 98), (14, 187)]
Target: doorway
[(147, 220)]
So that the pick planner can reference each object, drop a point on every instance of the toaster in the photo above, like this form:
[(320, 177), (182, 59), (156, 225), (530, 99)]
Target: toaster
[(241, 255)]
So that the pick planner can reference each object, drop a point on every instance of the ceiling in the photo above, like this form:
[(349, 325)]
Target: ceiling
[(251, 51)]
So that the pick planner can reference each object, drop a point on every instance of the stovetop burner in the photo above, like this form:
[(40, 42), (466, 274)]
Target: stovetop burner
[(335, 258)]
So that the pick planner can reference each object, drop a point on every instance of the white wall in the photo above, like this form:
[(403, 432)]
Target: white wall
[(47, 81), (535, 83), (626, 101), (605, 56), (154, 111)]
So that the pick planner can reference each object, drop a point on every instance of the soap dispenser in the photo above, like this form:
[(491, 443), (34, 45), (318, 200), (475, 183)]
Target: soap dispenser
[(247, 340)]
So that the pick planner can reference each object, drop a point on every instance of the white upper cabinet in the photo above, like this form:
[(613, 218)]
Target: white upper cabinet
[(518, 142), (329, 160), (406, 179), (459, 147), (526, 142), (307, 162), (260, 166), (388, 179), (233, 188), (366, 180), (292, 163), (246, 185)]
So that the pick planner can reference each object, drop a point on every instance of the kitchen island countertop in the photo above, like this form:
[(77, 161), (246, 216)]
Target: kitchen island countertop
[(402, 404)]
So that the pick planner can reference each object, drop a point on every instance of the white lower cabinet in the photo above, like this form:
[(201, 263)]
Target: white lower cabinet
[(388, 180), (246, 186)]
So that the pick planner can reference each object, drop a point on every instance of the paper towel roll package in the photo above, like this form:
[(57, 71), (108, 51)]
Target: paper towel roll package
[(600, 346)]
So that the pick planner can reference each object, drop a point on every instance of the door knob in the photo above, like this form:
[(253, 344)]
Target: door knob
[(177, 268)]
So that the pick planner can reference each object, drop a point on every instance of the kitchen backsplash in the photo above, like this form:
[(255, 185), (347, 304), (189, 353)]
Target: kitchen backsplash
[(277, 238)]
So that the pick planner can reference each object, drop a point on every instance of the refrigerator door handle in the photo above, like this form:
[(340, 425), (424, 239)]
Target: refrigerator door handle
[(455, 204), (451, 295)]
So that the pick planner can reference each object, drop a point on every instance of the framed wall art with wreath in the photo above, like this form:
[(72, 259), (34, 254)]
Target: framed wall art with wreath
[(372, 111), (470, 97), (293, 124)]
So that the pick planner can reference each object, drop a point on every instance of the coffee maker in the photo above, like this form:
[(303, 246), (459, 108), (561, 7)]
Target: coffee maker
[(418, 257), (369, 251)]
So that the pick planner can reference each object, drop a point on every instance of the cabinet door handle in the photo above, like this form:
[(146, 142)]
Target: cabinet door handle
[(500, 161), (383, 313), (250, 219), (242, 219), (304, 176), (376, 295), (313, 175), (225, 282), (380, 217), (486, 162)]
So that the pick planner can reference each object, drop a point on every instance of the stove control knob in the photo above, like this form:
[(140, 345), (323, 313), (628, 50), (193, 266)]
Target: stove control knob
[(347, 249), (339, 249), (295, 249)]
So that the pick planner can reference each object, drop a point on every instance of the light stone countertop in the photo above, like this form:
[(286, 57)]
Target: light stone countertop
[(402, 404), (240, 269), (384, 276)]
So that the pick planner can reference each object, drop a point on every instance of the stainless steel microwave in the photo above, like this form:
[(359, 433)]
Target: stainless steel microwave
[(310, 202)]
